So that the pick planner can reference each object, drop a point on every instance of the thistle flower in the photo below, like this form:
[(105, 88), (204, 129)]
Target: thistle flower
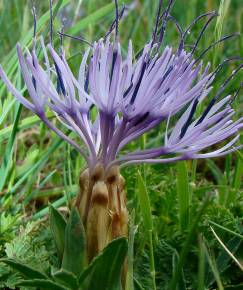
[(132, 95)]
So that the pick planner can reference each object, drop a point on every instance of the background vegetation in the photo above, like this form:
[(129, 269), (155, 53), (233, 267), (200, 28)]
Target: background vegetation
[(172, 230)]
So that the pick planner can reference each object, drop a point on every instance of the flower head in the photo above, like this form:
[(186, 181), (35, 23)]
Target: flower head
[(132, 95)]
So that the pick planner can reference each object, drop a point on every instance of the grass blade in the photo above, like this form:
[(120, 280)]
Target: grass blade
[(147, 221), (38, 165), (201, 265), (10, 62), (132, 232), (183, 194), (213, 266), (187, 245), (7, 158), (227, 250), (227, 230), (93, 18)]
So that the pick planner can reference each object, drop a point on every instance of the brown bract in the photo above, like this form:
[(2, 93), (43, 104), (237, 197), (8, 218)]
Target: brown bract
[(102, 206)]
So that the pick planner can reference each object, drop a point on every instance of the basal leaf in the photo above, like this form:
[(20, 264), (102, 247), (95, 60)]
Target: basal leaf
[(75, 244), (104, 272), (24, 269), (58, 226), (42, 283), (66, 278)]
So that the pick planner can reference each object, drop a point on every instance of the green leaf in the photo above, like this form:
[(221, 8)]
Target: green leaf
[(23, 269), (183, 194), (221, 181), (187, 244), (223, 260), (23, 124), (234, 287), (226, 230), (66, 278), (144, 203), (104, 272), (213, 266), (6, 109), (133, 229), (43, 284), (240, 155), (94, 17), (75, 244), (58, 226), (7, 157), (181, 280), (57, 203), (138, 285), (147, 221), (11, 61), (38, 165), (237, 181)]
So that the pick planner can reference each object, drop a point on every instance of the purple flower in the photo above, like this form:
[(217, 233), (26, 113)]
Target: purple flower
[(133, 95)]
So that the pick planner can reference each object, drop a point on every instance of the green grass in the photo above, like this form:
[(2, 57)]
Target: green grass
[(172, 246)]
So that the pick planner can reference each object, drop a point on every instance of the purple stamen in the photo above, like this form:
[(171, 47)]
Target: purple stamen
[(203, 30), (78, 38), (188, 121), (224, 38)]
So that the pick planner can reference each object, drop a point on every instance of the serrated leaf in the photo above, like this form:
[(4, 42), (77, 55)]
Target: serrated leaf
[(104, 272), (42, 283), (58, 226), (66, 278), (75, 244), (24, 269)]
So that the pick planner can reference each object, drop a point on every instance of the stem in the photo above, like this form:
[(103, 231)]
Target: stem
[(151, 258)]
